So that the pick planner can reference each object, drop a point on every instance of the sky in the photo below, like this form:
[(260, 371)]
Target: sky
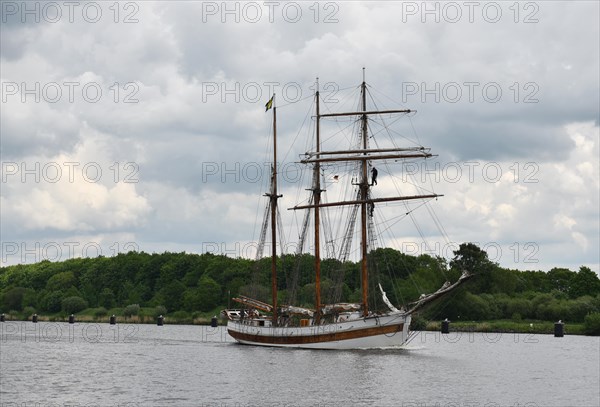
[(141, 125)]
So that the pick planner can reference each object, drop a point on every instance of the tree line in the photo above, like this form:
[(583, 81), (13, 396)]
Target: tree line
[(183, 282)]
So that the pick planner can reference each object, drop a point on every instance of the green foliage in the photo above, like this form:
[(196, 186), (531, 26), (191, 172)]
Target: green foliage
[(100, 312), (60, 281), (172, 294), (52, 301), (29, 298), (191, 299), (469, 257), (307, 295), (72, 305), (13, 298), (519, 306), (560, 279), (585, 282), (193, 283), (580, 307), (591, 324), (131, 309), (159, 310), (205, 297), (180, 315), (399, 263), (106, 298), (135, 293), (28, 311), (552, 311), (474, 308)]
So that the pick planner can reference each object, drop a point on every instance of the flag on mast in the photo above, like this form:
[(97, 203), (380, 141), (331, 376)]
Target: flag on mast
[(269, 104)]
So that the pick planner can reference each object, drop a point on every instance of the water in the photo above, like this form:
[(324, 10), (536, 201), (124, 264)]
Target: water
[(56, 364)]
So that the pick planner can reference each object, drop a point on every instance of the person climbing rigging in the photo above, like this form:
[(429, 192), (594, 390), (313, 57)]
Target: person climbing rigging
[(374, 176)]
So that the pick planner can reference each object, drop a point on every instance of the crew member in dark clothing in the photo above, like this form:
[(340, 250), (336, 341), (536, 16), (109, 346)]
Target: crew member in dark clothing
[(374, 176)]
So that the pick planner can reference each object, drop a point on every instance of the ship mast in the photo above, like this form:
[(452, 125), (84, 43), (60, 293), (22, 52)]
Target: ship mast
[(317, 201), (364, 194), (273, 196)]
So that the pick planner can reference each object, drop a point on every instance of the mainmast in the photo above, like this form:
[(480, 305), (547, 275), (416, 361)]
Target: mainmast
[(364, 194), (273, 195), (317, 201)]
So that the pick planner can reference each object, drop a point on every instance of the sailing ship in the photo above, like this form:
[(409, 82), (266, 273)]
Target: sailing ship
[(340, 325)]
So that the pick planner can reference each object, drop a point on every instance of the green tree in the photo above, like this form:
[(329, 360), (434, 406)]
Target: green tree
[(560, 279), (106, 298), (209, 292), (28, 311), (135, 293), (466, 306), (13, 298), (203, 282), (580, 307), (52, 301), (131, 309), (400, 265), (592, 324), (72, 305), (191, 300), (172, 295), (585, 282), (29, 298), (521, 306), (469, 257), (61, 281), (533, 281), (90, 293)]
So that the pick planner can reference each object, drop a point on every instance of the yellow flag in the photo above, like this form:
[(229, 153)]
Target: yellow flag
[(269, 104)]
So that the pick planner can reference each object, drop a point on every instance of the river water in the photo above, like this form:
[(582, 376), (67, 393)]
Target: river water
[(57, 364)]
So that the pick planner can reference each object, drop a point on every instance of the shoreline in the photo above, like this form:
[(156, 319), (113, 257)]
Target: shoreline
[(494, 326), (504, 326)]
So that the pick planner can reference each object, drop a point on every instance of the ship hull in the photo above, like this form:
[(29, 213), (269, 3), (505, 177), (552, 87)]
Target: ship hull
[(382, 331)]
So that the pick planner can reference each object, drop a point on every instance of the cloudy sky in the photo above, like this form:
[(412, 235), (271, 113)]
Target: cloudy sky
[(141, 125)]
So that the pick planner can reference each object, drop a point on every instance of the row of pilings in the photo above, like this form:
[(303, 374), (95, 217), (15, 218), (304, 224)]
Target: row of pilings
[(214, 322), (559, 328)]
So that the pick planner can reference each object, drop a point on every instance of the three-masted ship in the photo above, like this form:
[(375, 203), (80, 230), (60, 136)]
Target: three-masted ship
[(336, 325)]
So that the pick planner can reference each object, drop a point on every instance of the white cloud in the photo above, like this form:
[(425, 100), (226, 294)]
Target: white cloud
[(80, 191), (179, 67)]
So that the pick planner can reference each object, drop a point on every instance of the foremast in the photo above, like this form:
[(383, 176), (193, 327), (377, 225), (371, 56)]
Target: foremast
[(273, 201)]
